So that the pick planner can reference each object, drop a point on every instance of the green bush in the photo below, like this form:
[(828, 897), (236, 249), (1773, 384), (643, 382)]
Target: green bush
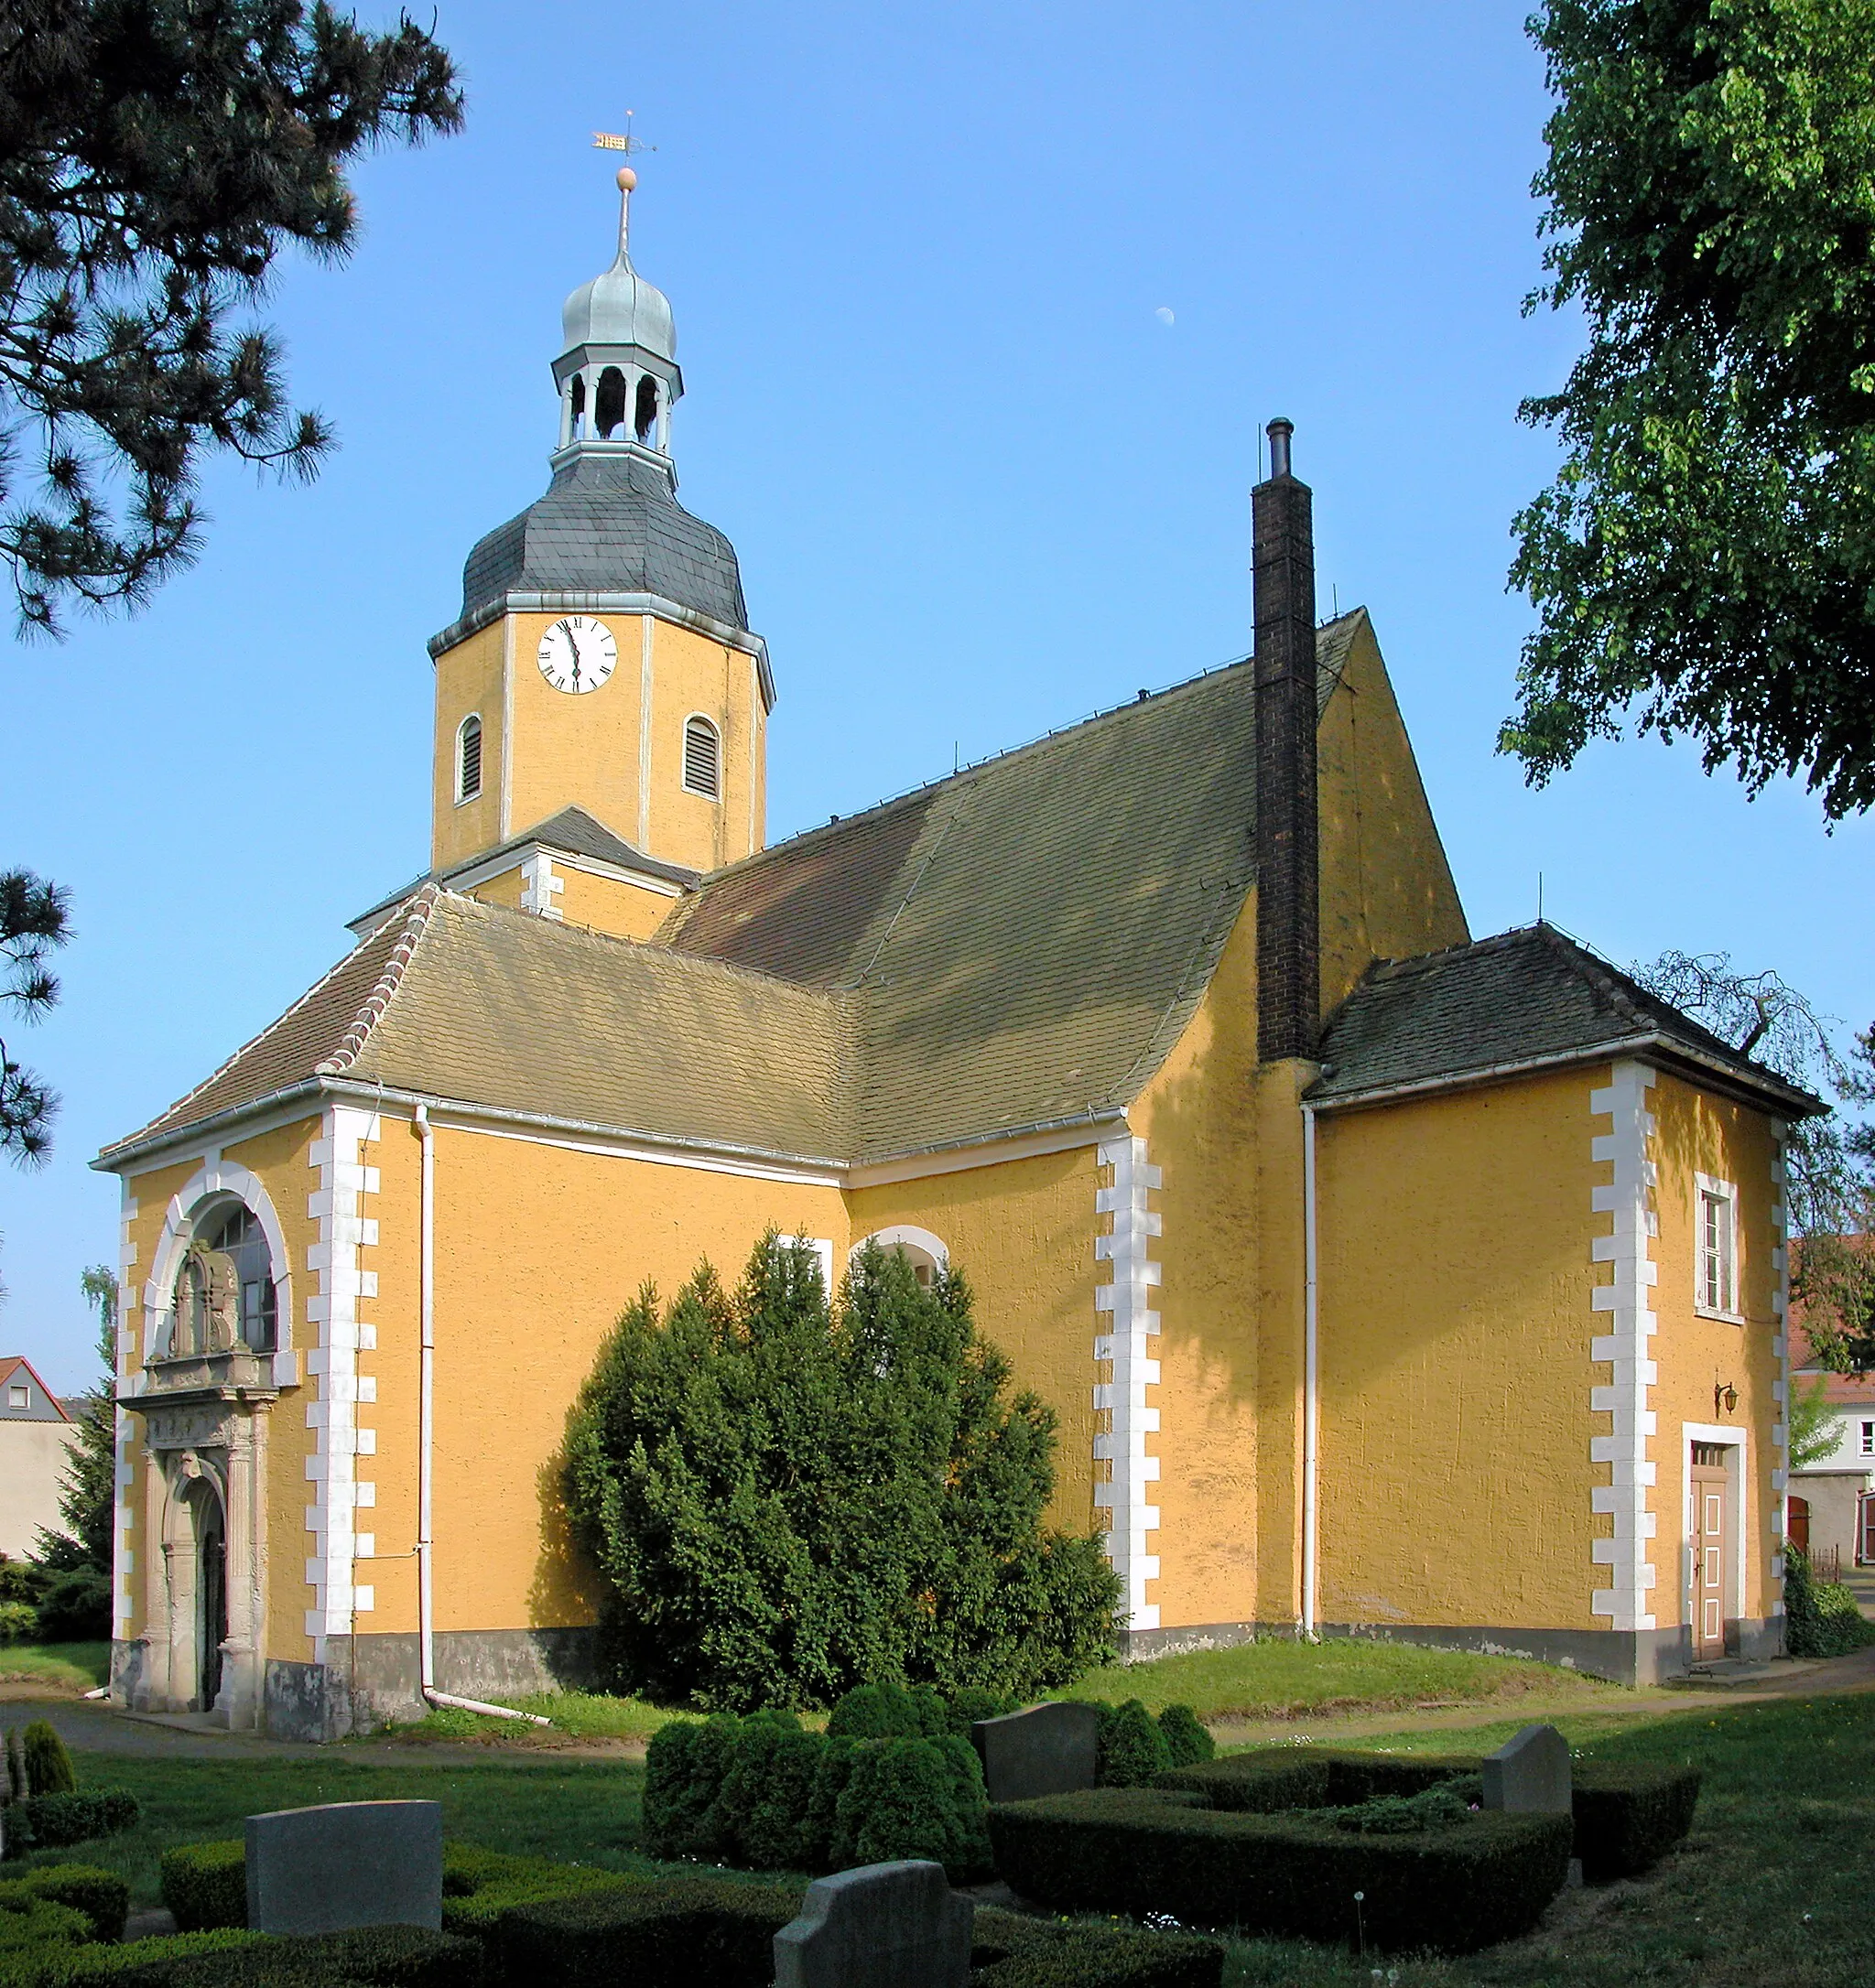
[(32, 1927), (1292, 1874), (48, 1769), (1821, 1617), (787, 1498), (899, 1801), (1133, 1748), (685, 1767), (16, 1789), (101, 1895), (1628, 1817), (1399, 1815), (19, 1622), (701, 1932), (370, 1957), (971, 1703), (75, 1606), (1097, 1959), (75, 1816), (205, 1885), (1187, 1738), (478, 1884), (779, 1834), (889, 1711)]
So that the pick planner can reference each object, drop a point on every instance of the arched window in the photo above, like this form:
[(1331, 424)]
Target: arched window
[(225, 1297), (646, 418), (924, 1251), (469, 758), (609, 403), (577, 402), (702, 757)]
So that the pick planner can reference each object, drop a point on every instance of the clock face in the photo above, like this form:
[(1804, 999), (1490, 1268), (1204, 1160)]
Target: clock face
[(578, 653)]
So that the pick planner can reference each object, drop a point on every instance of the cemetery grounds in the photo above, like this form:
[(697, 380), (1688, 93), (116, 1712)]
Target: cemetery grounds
[(1770, 1888)]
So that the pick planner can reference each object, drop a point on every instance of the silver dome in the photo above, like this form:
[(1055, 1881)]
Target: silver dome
[(620, 309)]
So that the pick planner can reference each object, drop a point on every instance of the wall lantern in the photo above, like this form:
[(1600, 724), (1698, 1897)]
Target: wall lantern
[(1725, 1398)]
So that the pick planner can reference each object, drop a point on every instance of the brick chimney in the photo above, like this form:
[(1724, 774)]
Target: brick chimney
[(1287, 939)]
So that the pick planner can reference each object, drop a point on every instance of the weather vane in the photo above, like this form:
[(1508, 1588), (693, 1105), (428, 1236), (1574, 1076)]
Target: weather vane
[(622, 141)]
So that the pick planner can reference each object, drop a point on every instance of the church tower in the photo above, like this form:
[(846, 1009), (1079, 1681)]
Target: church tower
[(600, 696)]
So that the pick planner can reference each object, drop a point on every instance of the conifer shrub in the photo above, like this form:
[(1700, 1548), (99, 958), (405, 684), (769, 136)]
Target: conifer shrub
[(1187, 1738), (1821, 1618), (16, 1789), (970, 1702), (789, 1498), (49, 1768), (1134, 1750)]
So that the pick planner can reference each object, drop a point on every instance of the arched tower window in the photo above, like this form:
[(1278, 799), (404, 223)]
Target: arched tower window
[(469, 758), (702, 757), (225, 1297), (576, 405), (609, 403), (646, 418)]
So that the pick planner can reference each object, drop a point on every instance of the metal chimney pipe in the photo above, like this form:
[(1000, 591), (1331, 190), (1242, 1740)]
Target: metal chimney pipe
[(1288, 909)]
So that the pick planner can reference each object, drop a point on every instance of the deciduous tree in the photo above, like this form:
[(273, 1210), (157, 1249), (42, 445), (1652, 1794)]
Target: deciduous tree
[(1703, 563)]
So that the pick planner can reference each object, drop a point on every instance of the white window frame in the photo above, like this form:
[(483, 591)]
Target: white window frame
[(1708, 1191), (19, 1396), (1867, 1443), (472, 717), (915, 1242), (702, 794)]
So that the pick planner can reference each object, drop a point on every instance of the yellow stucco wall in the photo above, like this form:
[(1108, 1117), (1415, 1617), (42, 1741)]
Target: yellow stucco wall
[(469, 677), (503, 888), (1022, 1232), (1698, 1132), (628, 911), (1455, 1283), (1199, 1120), (587, 751), (1386, 888), (538, 1248)]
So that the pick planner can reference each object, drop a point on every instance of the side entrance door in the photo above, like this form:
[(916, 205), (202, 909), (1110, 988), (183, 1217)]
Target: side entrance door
[(1715, 1547)]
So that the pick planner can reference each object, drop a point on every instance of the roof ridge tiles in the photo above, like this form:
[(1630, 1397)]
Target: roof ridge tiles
[(416, 922)]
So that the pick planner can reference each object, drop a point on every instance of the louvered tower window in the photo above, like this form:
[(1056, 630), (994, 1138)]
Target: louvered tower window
[(702, 757), (469, 759)]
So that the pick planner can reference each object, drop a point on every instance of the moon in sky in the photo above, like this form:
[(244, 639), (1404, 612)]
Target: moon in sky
[(1163, 314)]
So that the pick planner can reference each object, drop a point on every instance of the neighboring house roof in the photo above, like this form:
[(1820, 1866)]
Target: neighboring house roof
[(1518, 1000), (606, 525), (44, 1406), (571, 832)]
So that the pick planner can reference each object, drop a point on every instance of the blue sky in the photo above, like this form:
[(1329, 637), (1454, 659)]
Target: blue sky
[(920, 259)]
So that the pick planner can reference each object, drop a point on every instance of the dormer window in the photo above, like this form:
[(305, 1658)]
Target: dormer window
[(469, 758), (702, 759)]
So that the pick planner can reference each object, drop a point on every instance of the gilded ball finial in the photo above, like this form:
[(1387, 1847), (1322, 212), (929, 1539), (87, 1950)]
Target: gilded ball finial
[(627, 179)]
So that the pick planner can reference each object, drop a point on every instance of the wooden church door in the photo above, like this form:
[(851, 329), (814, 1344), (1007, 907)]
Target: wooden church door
[(1713, 1549)]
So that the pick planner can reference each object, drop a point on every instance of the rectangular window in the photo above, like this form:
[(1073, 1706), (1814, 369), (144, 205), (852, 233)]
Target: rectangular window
[(16, 1397), (1868, 1439), (1716, 1248)]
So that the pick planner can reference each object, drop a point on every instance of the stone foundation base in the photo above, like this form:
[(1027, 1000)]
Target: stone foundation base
[(1623, 1656)]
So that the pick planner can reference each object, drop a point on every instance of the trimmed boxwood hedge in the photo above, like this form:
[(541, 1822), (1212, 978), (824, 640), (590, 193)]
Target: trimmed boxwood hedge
[(1628, 1817), (1467, 1886), (370, 1957), (1009, 1949), (205, 1885), (704, 1932), (101, 1895)]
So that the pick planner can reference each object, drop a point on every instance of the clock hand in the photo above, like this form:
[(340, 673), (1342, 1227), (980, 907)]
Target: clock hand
[(573, 645)]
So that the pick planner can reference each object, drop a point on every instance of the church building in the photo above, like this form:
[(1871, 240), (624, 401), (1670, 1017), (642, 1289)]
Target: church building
[(1383, 1279)]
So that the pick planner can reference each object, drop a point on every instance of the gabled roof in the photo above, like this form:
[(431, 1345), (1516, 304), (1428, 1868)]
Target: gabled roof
[(1519, 999), (15, 1363), (475, 1004), (571, 832), (1022, 943)]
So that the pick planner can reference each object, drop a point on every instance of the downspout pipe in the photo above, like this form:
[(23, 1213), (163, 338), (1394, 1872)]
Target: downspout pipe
[(1311, 1399), (425, 1443)]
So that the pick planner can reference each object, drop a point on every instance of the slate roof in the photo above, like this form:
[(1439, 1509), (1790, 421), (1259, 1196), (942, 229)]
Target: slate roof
[(572, 831), (608, 525), (1530, 996), (475, 1004)]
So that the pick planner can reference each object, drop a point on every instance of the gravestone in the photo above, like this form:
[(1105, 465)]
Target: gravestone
[(1530, 1773), (1046, 1750), (346, 1864), (881, 1925)]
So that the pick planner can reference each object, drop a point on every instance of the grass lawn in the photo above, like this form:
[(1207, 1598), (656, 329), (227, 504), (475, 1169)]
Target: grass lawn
[(1275, 1679), (79, 1667), (580, 1716)]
